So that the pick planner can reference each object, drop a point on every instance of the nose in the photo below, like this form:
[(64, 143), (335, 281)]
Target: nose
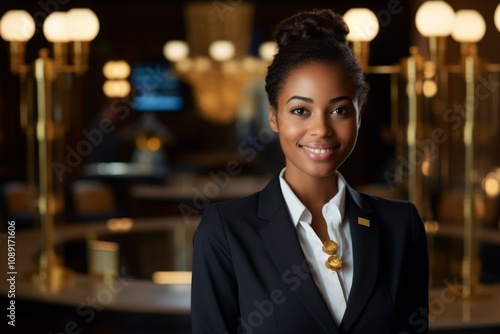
[(320, 125)]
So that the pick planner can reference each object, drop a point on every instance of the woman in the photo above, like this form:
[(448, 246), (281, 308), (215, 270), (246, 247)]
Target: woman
[(308, 254)]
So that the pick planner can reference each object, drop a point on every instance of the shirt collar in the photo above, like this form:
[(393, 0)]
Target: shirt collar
[(297, 209)]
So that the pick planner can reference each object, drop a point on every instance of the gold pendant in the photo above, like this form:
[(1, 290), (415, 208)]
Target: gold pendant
[(334, 262), (330, 247)]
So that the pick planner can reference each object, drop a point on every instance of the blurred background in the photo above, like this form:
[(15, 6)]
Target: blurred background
[(121, 120)]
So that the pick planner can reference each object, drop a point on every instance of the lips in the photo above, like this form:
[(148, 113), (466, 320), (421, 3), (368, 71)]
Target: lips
[(318, 150), (319, 154)]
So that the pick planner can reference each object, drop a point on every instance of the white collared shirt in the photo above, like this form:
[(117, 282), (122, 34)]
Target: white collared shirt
[(334, 286)]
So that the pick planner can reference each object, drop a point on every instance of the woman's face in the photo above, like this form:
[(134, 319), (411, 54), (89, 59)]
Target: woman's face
[(317, 119)]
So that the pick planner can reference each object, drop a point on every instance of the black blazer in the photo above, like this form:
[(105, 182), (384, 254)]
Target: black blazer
[(250, 274)]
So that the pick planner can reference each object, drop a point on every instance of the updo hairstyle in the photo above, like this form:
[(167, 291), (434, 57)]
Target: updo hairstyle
[(316, 36)]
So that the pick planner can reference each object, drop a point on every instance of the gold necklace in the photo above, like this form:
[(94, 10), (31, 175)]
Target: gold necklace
[(334, 262)]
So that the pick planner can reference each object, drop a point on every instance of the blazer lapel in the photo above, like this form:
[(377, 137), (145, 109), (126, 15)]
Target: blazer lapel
[(365, 240), (280, 237)]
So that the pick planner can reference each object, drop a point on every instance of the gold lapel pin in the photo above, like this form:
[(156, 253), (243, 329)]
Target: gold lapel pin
[(363, 221)]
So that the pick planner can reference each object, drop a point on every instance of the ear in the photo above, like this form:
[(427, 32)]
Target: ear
[(273, 122)]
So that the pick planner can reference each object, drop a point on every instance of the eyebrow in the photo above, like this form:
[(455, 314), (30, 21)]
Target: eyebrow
[(309, 100)]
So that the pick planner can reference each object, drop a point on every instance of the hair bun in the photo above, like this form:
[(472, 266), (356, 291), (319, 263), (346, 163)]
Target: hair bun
[(314, 25)]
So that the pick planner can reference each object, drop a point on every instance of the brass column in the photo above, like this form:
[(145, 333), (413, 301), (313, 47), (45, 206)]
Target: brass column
[(44, 73)]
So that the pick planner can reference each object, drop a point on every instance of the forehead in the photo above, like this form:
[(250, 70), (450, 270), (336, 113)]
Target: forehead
[(318, 78)]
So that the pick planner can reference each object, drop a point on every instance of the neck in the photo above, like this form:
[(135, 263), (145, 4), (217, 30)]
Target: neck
[(312, 191)]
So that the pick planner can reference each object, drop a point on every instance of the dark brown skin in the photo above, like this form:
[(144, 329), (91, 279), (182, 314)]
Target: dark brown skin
[(318, 110)]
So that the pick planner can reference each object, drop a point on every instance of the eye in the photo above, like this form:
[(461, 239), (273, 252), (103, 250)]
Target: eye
[(341, 111), (300, 111)]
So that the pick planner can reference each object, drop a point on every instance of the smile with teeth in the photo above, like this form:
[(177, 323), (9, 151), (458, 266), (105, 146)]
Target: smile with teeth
[(318, 150)]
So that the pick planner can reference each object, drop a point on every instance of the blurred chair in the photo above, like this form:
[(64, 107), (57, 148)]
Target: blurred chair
[(92, 200), (15, 203)]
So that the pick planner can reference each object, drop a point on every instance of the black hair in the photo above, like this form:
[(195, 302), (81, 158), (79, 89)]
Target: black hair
[(318, 35)]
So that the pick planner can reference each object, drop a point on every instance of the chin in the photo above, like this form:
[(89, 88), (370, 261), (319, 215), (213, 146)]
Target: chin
[(321, 172)]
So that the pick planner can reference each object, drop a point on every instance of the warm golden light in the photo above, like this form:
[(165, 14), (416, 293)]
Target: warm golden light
[(221, 50), (120, 224), (153, 144), (429, 69), (82, 24), (496, 17), (119, 69), (435, 18), (429, 88), (17, 26), (267, 50), (431, 226), (469, 26), (202, 64), (363, 24), (172, 277), (426, 167), (116, 88), (176, 50), (54, 27), (491, 184)]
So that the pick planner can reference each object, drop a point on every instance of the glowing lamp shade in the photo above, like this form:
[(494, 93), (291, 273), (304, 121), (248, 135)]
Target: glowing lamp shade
[(116, 88), (82, 24), (435, 18), (267, 50), (119, 69), (221, 50), (175, 50), (469, 26), (54, 27), (496, 17), (363, 24), (17, 26)]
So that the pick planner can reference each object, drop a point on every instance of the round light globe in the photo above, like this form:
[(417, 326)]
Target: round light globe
[(116, 88), (54, 27), (176, 50), (17, 26), (221, 50), (363, 24), (496, 17), (267, 50), (82, 24), (435, 18), (469, 26), (119, 69)]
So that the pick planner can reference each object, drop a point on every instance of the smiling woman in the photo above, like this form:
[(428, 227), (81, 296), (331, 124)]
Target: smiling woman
[(308, 254), (318, 128)]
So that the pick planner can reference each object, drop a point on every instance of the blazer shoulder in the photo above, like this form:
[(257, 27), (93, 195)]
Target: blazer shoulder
[(392, 210), (382, 202), (237, 205)]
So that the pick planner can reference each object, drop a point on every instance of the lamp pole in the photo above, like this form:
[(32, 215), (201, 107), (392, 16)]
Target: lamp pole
[(79, 26)]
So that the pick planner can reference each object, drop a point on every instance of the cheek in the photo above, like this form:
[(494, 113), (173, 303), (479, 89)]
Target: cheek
[(290, 132), (348, 132)]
